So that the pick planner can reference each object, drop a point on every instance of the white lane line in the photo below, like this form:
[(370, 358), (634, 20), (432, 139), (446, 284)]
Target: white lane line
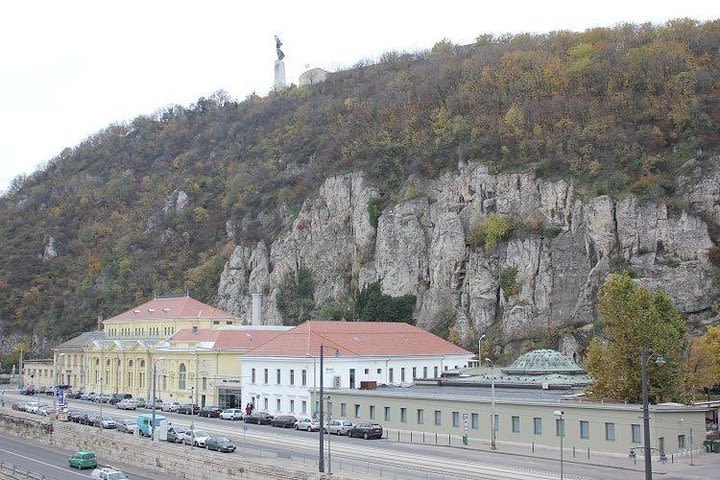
[(43, 463)]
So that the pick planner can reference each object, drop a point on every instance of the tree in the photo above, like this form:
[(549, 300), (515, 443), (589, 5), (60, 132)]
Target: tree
[(295, 301), (636, 318), (372, 305), (703, 361)]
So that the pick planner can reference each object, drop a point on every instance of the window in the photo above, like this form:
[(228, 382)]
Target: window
[(424, 372), (475, 420), (304, 378), (252, 376), (559, 427), (609, 432), (266, 404), (661, 444), (182, 377), (357, 411), (402, 375), (435, 369), (390, 375), (414, 373), (379, 371), (438, 418), (420, 416), (343, 409), (277, 404), (681, 441), (372, 412), (266, 376), (204, 383), (403, 415), (387, 414), (537, 426), (367, 371), (584, 429), (515, 424), (278, 376), (292, 406), (497, 422), (292, 377), (304, 406), (455, 419), (164, 382), (635, 429)]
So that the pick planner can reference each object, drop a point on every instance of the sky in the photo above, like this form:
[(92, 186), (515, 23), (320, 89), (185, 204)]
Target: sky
[(69, 69)]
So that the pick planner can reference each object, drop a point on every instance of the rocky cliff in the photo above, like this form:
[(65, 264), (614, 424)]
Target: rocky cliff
[(562, 248)]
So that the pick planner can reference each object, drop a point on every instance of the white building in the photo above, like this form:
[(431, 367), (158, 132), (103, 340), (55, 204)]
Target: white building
[(279, 374)]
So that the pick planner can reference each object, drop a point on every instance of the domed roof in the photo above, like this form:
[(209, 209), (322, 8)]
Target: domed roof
[(542, 362)]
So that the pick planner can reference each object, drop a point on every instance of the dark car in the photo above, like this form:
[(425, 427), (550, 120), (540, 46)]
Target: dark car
[(74, 416), (188, 409), (284, 421), (89, 419), (366, 430), (260, 418), (118, 397), (127, 426), (28, 390), (221, 444), (210, 412), (175, 433)]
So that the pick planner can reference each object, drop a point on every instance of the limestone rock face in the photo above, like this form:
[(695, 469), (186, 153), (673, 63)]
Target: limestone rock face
[(560, 253)]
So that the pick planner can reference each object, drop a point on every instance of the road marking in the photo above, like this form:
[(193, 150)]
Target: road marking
[(43, 463)]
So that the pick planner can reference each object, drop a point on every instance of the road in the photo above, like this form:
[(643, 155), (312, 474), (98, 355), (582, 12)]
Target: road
[(386, 459), (52, 462)]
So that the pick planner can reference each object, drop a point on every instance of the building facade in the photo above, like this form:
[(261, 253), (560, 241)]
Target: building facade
[(281, 373)]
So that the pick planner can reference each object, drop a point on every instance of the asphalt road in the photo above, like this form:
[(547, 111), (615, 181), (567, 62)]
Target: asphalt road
[(384, 459), (53, 462)]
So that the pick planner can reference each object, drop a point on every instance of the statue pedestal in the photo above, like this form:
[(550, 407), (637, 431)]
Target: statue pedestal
[(279, 75)]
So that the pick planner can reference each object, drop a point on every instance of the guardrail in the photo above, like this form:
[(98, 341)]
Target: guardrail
[(10, 471)]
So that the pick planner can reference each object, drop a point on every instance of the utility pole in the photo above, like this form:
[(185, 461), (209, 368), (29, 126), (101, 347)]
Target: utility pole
[(493, 430), (321, 459)]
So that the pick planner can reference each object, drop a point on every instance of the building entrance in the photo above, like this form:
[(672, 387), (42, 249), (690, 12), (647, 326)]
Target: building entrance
[(229, 397)]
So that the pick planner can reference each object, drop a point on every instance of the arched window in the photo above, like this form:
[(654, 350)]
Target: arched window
[(182, 377), (130, 363)]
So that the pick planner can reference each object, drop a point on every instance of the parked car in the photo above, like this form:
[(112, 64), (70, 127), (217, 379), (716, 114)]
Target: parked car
[(260, 418), (127, 404), (140, 402), (74, 416), (27, 390), (87, 396), (83, 459), (170, 406), (118, 397), (31, 407), (74, 394), (107, 473), (339, 426), (284, 421), (158, 404), (105, 422), (43, 410), (210, 412), (88, 419), (221, 444), (366, 430), (127, 426), (308, 423), (188, 409), (232, 414), (176, 433), (102, 398), (196, 438)]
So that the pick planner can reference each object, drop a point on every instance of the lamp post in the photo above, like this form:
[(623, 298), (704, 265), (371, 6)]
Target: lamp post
[(101, 398), (493, 429), (644, 359), (58, 407), (329, 410), (321, 459), (152, 425), (561, 416), (480, 350)]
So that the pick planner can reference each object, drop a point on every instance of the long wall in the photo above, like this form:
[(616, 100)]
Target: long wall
[(610, 428)]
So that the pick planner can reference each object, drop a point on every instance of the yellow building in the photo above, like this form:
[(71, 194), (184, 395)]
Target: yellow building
[(193, 346), (39, 373)]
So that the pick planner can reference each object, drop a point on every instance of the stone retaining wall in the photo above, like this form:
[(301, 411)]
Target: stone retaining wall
[(179, 461)]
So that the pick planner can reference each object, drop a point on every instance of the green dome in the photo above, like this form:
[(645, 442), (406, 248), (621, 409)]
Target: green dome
[(543, 362)]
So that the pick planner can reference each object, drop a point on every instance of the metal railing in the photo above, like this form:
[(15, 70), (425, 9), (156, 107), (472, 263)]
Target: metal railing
[(10, 471)]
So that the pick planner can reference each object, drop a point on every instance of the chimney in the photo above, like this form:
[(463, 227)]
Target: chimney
[(99, 323), (194, 330), (257, 309)]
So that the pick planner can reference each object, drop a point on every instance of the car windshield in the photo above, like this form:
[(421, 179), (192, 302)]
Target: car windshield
[(201, 433), (221, 440), (106, 419)]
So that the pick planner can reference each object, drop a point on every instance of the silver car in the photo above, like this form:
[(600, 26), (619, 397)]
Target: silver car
[(339, 427), (232, 414)]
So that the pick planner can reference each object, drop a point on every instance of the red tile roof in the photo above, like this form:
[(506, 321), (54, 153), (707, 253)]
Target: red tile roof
[(245, 339), (181, 308), (357, 339)]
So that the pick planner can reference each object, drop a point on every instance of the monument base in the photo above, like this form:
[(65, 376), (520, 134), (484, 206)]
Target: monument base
[(279, 75)]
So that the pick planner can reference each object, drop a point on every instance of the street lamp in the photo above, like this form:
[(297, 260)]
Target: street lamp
[(561, 415), (493, 428), (58, 406), (152, 425), (659, 361), (480, 350)]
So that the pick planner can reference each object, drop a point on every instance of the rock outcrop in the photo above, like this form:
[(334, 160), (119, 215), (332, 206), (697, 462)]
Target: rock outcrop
[(561, 251)]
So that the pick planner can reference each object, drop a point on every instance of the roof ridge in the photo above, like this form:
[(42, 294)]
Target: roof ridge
[(335, 343)]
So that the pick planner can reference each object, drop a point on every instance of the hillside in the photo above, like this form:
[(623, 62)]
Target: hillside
[(159, 205)]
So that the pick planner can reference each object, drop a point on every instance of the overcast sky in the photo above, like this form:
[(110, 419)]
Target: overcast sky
[(70, 68)]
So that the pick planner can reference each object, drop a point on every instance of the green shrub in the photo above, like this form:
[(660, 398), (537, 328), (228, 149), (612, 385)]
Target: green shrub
[(489, 231), (508, 281), (374, 306), (375, 208), (295, 301)]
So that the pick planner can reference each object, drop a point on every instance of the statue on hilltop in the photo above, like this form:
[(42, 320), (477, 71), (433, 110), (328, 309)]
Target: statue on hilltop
[(279, 52)]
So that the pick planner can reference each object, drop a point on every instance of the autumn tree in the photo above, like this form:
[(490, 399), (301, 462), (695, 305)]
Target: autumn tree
[(703, 361), (636, 318)]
